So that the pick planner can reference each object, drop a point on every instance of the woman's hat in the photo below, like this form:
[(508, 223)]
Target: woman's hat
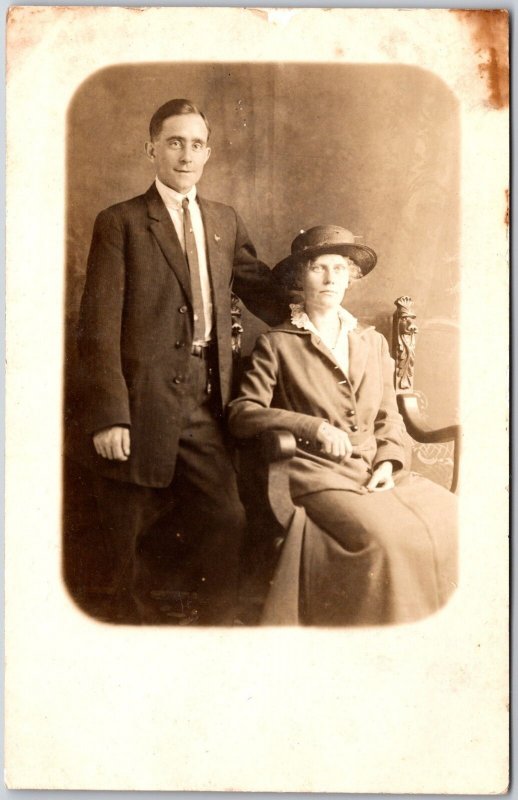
[(324, 239)]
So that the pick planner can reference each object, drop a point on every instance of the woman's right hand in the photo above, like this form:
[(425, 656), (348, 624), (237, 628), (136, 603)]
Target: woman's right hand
[(333, 441)]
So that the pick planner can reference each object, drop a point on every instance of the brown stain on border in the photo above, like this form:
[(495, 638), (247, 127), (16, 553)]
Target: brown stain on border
[(26, 26), (23, 32), (489, 30), (259, 12)]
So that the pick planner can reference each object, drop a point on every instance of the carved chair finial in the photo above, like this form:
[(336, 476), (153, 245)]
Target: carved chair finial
[(404, 342)]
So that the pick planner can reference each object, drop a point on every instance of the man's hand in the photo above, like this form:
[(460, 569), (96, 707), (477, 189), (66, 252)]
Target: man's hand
[(381, 478), (113, 443), (334, 442)]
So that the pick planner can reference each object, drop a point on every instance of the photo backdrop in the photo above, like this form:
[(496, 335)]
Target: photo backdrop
[(370, 148)]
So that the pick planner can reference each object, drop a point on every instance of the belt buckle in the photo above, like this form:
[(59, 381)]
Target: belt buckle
[(202, 350)]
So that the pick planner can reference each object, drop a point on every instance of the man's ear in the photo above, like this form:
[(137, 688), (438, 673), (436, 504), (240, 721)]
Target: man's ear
[(208, 151), (150, 150)]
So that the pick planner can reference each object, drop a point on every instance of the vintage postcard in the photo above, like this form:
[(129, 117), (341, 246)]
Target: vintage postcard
[(257, 400)]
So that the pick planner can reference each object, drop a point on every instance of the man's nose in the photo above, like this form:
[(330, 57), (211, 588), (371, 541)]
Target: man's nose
[(186, 155)]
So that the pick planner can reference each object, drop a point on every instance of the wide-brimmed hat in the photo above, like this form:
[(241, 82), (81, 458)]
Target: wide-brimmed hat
[(319, 240)]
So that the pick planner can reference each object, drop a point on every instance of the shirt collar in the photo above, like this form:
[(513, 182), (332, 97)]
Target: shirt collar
[(171, 198), (300, 319)]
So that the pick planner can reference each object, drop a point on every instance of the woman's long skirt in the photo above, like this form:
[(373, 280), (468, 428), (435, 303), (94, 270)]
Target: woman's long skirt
[(368, 559)]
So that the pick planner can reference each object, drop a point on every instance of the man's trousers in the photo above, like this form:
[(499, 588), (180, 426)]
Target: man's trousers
[(205, 498)]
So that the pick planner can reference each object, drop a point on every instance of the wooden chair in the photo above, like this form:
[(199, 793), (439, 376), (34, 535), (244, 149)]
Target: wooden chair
[(264, 461)]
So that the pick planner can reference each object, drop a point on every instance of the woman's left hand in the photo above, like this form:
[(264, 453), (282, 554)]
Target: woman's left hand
[(381, 478)]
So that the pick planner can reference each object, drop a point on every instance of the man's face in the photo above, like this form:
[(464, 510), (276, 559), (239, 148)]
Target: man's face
[(180, 151)]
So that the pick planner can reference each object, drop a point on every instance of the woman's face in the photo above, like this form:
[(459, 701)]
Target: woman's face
[(324, 282)]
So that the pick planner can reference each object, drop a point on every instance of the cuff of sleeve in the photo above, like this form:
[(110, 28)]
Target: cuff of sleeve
[(98, 423), (389, 452), (308, 429), (112, 425)]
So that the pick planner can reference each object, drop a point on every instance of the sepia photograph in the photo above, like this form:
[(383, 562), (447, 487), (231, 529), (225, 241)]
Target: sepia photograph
[(246, 350), (176, 412)]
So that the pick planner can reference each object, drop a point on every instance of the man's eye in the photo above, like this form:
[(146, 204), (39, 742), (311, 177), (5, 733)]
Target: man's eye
[(197, 146), (174, 143)]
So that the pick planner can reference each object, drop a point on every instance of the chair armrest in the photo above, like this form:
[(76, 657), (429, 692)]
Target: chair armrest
[(268, 455), (416, 425), (277, 448), (277, 445), (422, 432)]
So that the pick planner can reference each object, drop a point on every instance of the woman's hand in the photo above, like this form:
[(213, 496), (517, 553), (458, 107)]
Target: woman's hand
[(333, 441), (381, 478)]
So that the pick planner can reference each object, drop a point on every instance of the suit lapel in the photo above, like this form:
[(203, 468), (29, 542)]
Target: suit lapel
[(320, 346), (358, 354), (219, 277), (163, 230)]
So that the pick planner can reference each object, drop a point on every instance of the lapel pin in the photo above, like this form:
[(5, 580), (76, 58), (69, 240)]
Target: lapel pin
[(216, 237)]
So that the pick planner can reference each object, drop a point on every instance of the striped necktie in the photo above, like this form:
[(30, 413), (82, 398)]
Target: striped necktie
[(191, 254)]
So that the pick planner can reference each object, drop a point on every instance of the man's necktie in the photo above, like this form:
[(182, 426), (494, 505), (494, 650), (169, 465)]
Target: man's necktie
[(192, 258)]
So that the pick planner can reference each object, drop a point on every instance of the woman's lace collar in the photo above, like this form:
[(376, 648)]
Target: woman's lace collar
[(300, 319)]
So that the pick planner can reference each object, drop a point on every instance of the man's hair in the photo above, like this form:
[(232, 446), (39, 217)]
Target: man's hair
[(173, 108)]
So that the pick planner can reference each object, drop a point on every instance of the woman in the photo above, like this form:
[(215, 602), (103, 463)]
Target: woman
[(377, 543)]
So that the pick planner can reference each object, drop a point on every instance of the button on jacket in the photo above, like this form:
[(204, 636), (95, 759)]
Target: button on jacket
[(136, 325)]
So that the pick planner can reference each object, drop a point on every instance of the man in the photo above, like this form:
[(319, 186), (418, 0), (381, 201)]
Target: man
[(156, 358)]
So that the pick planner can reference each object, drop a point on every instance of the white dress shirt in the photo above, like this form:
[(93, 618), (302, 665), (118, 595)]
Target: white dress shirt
[(340, 348), (173, 203)]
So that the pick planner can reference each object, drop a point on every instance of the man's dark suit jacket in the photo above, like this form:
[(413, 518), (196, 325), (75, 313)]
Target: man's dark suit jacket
[(136, 329)]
